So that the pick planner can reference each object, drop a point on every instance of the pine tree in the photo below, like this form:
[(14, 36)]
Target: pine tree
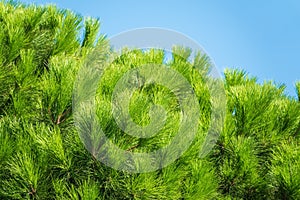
[(43, 157)]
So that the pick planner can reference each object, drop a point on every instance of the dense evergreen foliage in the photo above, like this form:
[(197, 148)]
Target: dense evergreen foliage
[(42, 157)]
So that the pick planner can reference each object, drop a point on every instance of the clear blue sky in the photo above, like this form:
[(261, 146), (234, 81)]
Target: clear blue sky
[(261, 37)]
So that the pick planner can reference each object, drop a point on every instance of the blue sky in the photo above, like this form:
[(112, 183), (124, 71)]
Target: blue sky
[(261, 37)]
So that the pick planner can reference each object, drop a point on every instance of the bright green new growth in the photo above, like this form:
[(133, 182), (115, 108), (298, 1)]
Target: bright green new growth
[(42, 157)]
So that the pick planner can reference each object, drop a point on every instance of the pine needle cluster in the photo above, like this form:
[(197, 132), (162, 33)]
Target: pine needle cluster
[(43, 157)]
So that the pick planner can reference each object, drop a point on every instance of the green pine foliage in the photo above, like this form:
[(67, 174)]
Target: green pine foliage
[(42, 156)]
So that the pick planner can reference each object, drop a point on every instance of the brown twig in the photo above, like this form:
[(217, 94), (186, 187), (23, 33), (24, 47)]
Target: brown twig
[(133, 147)]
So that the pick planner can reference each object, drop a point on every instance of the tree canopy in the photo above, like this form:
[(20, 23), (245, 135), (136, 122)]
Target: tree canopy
[(42, 156)]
